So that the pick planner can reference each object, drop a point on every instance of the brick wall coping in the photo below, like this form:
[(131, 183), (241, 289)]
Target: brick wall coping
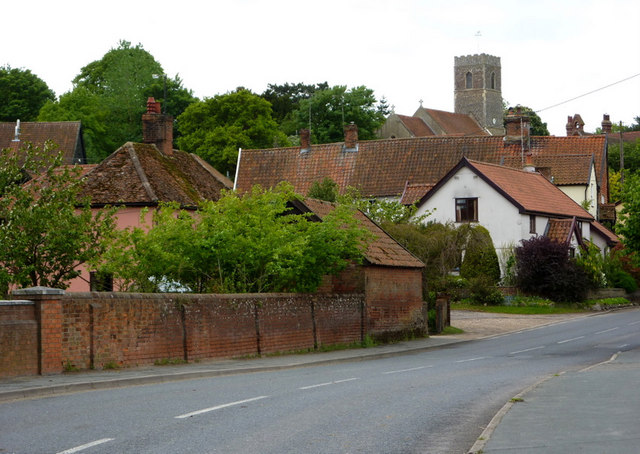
[(172, 296), (31, 291), (16, 303)]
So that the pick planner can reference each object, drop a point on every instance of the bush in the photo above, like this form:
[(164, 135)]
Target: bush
[(480, 258), (544, 268), (483, 291), (622, 279)]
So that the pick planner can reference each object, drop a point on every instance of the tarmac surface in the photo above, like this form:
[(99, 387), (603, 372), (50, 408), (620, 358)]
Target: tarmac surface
[(595, 410)]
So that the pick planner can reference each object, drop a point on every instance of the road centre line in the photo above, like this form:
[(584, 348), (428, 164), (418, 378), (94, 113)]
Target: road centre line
[(328, 383), (471, 359), (218, 407), (569, 340), (85, 446), (607, 330), (634, 323), (527, 350), (404, 370)]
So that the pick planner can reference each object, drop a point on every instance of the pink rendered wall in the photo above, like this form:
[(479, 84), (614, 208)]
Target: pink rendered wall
[(126, 217)]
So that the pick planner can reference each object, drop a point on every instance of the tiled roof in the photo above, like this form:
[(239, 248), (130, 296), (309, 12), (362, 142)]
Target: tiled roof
[(139, 174), (416, 126), (456, 124), (560, 230), (568, 169), (65, 134), (612, 238), (414, 192), (382, 168), (383, 250), (530, 191)]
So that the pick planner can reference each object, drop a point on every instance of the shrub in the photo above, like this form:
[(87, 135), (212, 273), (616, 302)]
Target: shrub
[(622, 279), (483, 291), (480, 258), (544, 268)]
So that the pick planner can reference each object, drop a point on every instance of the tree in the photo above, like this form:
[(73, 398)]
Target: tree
[(538, 128), (326, 190), (46, 231), (480, 258), (285, 100), (110, 96), (241, 243), (335, 107), (628, 226), (631, 152), (216, 127), (22, 94)]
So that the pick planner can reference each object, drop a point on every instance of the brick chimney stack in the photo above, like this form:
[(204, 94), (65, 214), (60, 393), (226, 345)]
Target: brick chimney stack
[(517, 127), (606, 124), (575, 125), (351, 136), (305, 140), (157, 128)]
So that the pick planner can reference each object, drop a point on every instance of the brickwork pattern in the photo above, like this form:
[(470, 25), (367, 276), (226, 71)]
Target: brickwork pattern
[(18, 339)]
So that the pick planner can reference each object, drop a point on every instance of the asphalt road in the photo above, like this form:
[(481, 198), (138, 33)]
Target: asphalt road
[(436, 402)]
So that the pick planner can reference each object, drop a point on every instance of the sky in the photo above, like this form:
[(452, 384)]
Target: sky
[(551, 51)]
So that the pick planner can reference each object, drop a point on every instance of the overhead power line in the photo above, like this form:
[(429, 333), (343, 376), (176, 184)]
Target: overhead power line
[(591, 92)]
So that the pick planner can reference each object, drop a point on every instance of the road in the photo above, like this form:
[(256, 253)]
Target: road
[(436, 401)]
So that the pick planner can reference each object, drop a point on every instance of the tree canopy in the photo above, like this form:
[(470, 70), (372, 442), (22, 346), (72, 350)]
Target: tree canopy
[(22, 94), (333, 108), (216, 127), (110, 96), (285, 100), (46, 230), (628, 226), (241, 243)]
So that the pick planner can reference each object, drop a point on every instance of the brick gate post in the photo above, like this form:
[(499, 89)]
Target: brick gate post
[(49, 318)]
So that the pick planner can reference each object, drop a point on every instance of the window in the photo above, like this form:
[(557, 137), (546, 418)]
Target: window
[(469, 80), (532, 223), (493, 81), (467, 210)]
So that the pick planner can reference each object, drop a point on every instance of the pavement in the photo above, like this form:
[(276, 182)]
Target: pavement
[(594, 410)]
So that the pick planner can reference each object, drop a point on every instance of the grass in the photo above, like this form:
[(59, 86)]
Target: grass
[(517, 399), (527, 305), (169, 361), (111, 365), (451, 330)]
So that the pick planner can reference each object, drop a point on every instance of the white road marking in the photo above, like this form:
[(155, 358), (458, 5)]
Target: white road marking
[(218, 407), (569, 340), (86, 446), (527, 350), (634, 323), (623, 345), (471, 359), (328, 383), (405, 370), (607, 330)]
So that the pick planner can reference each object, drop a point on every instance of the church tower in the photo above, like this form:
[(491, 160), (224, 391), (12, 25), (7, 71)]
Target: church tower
[(478, 90)]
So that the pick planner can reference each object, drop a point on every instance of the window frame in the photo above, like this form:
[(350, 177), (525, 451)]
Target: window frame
[(466, 209), (532, 223)]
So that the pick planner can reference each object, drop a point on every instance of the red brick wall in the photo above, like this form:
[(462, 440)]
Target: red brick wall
[(338, 321), (18, 339), (284, 323), (394, 300)]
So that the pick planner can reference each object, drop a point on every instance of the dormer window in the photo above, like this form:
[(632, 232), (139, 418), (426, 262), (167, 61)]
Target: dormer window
[(469, 80)]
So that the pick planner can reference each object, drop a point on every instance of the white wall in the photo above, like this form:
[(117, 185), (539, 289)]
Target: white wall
[(578, 194), (503, 221)]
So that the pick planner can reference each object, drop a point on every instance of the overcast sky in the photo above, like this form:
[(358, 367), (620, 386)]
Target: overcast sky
[(551, 50)]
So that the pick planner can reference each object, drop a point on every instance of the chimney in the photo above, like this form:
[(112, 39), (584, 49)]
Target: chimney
[(517, 126), (606, 124), (305, 140), (575, 125), (529, 166), (157, 128), (16, 137), (351, 137)]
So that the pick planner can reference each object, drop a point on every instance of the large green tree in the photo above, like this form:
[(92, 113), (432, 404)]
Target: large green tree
[(285, 100), (22, 94), (328, 111), (217, 127), (46, 230), (628, 226), (248, 243), (110, 96)]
